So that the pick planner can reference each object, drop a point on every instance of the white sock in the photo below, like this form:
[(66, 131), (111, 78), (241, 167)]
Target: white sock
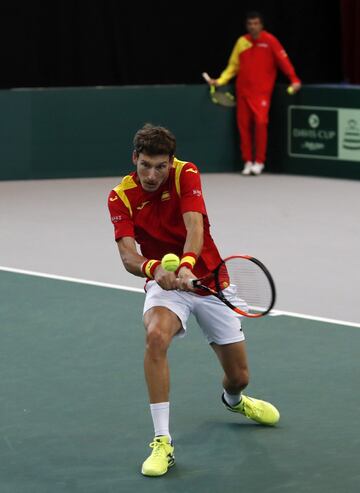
[(160, 413), (232, 399)]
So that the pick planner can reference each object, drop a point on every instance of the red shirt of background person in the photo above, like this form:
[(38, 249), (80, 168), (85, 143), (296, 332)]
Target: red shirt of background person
[(254, 61)]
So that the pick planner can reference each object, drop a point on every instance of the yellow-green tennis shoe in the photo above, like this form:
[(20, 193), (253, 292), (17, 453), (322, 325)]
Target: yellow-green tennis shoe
[(260, 411), (161, 458)]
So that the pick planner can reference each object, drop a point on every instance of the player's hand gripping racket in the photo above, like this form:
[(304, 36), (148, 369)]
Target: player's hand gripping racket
[(251, 289), (217, 95)]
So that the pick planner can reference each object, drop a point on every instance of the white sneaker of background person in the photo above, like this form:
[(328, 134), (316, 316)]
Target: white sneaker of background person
[(247, 168), (257, 168)]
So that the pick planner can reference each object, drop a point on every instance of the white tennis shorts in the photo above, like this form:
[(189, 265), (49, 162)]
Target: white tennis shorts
[(218, 322)]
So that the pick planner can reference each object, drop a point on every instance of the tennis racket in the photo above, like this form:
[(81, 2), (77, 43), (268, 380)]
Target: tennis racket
[(243, 283), (219, 96)]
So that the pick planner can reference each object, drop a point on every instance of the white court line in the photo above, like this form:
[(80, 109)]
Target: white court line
[(71, 279), (273, 313)]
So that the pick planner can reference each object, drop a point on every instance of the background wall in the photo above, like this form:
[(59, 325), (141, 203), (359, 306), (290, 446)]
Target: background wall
[(88, 132), (316, 132), (117, 49), (56, 133)]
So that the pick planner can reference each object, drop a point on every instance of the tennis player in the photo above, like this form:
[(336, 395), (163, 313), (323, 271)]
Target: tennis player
[(160, 207), (254, 61)]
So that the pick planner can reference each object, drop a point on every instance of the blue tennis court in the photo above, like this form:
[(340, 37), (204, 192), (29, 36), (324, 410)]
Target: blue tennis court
[(74, 412)]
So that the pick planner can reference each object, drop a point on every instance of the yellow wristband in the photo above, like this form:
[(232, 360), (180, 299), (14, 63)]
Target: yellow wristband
[(148, 268), (188, 260)]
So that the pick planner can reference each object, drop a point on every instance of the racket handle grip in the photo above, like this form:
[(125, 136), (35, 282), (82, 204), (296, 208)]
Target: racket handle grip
[(206, 77), (193, 283)]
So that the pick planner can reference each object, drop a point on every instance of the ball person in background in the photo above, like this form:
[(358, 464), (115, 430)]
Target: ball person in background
[(160, 206), (254, 61)]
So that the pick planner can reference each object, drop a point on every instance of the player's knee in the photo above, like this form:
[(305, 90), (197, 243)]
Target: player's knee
[(157, 341)]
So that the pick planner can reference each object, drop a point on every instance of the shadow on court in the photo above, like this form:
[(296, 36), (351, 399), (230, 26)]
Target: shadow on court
[(74, 412)]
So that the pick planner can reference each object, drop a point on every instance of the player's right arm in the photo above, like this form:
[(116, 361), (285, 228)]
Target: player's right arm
[(133, 262), (121, 217), (232, 67), (130, 257)]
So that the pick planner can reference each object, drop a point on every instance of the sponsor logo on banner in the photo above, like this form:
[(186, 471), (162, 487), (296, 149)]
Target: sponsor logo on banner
[(349, 125), (324, 133), (351, 138)]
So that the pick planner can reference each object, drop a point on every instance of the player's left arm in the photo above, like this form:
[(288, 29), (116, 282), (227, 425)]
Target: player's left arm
[(284, 63), (193, 210), (194, 224)]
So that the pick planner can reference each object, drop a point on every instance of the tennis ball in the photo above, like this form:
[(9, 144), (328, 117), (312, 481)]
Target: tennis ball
[(290, 90), (170, 262)]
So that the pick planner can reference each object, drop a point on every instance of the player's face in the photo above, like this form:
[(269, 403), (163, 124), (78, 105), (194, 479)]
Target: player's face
[(152, 171), (254, 27)]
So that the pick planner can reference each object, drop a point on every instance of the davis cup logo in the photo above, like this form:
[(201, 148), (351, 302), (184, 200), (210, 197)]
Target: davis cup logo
[(325, 133), (314, 121)]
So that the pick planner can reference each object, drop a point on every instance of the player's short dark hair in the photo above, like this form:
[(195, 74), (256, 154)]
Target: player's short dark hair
[(254, 14), (154, 140)]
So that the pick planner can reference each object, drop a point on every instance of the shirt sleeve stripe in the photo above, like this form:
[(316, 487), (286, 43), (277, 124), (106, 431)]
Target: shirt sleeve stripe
[(126, 184), (178, 165)]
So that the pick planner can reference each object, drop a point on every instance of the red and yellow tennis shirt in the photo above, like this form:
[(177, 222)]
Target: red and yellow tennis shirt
[(255, 63), (155, 219)]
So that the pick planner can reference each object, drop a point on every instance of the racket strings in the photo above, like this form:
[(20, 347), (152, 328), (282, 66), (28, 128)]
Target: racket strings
[(250, 282), (223, 98)]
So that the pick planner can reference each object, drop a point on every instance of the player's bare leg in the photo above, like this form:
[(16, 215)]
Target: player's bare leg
[(161, 325), (233, 359), (234, 362)]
